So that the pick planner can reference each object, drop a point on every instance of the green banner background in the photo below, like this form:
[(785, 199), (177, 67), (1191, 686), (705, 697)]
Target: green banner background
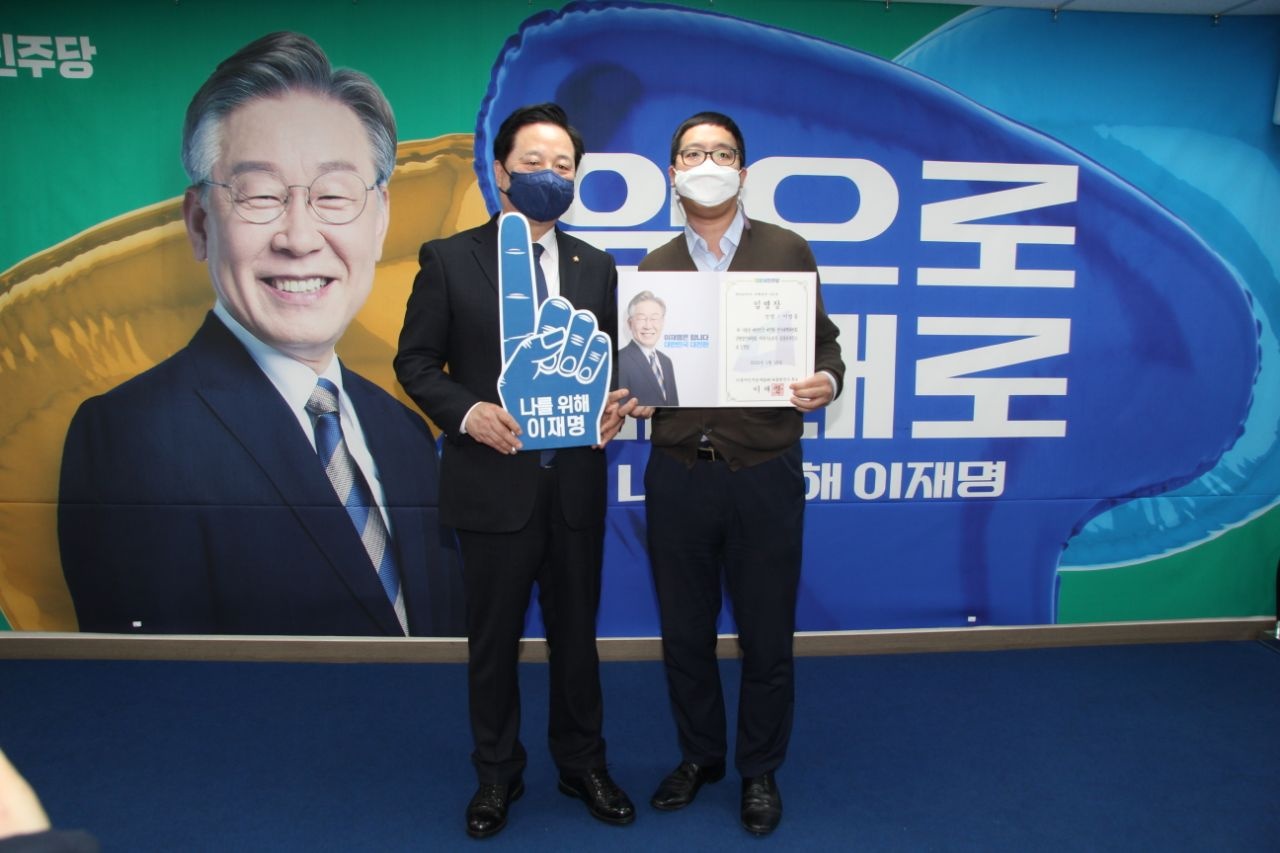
[(83, 151)]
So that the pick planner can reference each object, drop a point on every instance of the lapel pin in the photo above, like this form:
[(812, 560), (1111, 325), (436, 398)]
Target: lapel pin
[(575, 259)]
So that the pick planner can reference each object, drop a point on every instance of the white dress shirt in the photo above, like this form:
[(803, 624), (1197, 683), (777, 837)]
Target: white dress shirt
[(295, 381), (705, 259)]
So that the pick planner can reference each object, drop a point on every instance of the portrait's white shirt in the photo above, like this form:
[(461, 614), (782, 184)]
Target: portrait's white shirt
[(295, 381)]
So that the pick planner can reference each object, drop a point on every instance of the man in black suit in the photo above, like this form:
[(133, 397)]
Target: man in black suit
[(520, 518), (724, 500), (644, 370), (193, 498)]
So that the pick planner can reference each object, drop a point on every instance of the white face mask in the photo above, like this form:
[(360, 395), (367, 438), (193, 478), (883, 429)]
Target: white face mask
[(708, 184)]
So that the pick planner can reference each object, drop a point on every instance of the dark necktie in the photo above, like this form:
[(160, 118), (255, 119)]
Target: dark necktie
[(546, 457), (540, 280), (353, 491)]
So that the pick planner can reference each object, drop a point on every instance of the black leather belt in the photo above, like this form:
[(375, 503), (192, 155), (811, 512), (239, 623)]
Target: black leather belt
[(707, 453)]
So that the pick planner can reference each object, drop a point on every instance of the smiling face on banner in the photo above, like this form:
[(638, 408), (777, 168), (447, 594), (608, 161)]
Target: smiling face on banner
[(297, 281)]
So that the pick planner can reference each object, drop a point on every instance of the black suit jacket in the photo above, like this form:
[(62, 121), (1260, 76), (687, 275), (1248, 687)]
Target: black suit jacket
[(192, 502), (746, 436), (635, 374), (452, 320)]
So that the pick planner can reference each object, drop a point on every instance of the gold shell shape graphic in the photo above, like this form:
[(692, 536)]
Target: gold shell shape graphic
[(97, 309)]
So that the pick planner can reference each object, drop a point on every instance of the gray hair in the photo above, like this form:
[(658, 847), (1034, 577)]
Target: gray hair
[(645, 296), (272, 66)]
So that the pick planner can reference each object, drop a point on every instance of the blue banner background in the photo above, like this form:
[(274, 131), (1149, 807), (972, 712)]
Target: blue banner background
[(1163, 344)]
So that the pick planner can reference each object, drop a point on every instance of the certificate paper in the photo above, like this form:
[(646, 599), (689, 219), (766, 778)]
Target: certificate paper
[(765, 323), (719, 338)]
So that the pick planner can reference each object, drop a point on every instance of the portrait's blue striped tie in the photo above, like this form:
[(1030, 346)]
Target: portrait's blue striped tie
[(353, 491), (657, 373)]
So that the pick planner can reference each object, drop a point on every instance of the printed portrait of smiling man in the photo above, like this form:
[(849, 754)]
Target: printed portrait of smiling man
[(252, 484), (645, 371), (296, 280)]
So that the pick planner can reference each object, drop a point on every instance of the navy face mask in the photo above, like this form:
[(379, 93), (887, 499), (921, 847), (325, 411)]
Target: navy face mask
[(542, 196)]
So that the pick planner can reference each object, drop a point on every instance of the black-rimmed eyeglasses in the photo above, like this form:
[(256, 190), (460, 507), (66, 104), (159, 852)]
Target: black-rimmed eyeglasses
[(720, 156)]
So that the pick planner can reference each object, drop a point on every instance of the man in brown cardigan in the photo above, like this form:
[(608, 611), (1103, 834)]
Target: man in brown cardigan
[(725, 492)]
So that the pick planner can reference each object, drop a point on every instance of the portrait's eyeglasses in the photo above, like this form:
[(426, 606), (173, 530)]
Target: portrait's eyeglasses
[(261, 197), (720, 156)]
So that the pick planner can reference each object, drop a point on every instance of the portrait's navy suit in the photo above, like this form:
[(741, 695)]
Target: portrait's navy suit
[(192, 502), (635, 374)]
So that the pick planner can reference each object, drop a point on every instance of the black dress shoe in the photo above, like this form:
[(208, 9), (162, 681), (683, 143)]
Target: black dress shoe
[(487, 811), (761, 804), (604, 799), (681, 785)]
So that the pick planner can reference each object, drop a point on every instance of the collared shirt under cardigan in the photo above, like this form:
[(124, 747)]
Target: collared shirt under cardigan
[(744, 436)]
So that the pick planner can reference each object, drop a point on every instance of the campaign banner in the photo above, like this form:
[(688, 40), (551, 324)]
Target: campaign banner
[(1048, 245), (1017, 320)]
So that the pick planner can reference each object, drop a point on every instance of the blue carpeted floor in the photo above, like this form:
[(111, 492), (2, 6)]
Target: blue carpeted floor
[(1169, 748)]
